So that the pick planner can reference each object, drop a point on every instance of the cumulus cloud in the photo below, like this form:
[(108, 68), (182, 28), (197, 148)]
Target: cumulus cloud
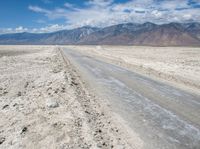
[(39, 9), (18, 29), (106, 12), (49, 28), (69, 5), (100, 3), (21, 29), (101, 13)]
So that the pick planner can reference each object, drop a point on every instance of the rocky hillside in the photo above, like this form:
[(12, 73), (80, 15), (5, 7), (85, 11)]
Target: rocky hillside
[(172, 34)]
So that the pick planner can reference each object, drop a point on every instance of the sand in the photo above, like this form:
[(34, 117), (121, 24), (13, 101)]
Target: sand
[(44, 104)]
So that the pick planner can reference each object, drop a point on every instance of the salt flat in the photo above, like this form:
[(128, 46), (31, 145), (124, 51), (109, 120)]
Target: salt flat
[(99, 97), (178, 65), (44, 104), (161, 115)]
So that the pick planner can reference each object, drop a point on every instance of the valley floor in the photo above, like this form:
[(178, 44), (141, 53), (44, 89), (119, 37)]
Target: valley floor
[(179, 66), (44, 104), (49, 97)]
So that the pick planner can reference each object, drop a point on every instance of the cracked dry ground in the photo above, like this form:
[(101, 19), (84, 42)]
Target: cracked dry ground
[(44, 104)]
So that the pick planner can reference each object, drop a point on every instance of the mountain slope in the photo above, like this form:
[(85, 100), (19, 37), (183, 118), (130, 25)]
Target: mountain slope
[(194, 29), (118, 34), (22, 38), (173, 34), (164, 35), (60, 37), (69, 36)]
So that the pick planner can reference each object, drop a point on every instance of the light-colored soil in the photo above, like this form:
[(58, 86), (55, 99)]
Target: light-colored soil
[(44, 104), (178, 65)]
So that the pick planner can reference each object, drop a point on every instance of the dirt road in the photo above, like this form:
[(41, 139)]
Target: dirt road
[(44, 104), (179, 66), (162, 115)]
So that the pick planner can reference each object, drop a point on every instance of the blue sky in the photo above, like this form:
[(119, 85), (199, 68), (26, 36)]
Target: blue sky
[(52, 15)]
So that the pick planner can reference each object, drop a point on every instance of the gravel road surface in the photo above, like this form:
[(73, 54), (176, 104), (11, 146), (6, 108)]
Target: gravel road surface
[(162, 115)]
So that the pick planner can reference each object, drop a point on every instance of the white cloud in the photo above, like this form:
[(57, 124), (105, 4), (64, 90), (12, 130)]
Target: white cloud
[(39, 9), (173, 4), (99, 3), (50, 28), (68, 5), (103, 13), (20, 29), (51, 14)]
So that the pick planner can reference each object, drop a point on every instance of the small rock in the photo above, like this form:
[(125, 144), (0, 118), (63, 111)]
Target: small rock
[(5, 106), (87, 112), (56, 91), (5, 92), (104, 144), (99, 131), (51, 103), (15, 104), (73, 83), (19, 93), (24, 130), (63, 89), (2, 139), (26, 84)]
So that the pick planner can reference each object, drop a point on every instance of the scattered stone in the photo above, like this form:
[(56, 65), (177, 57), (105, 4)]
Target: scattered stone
[(26, 84), (99, 131), (58, 125), (74, 83), (19, 94), (5, 92), (2, 139), (24, 130), (104, 144), (87, 112), (15, 104), (49, 88), (56, 91), (51, 103), (49, 83), (5, 106), (63, 89)]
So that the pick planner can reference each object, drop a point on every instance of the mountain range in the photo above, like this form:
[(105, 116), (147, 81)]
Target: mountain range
[(146, 34)]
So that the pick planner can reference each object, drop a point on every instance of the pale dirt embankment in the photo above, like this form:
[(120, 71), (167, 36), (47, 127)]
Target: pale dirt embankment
[(44, 104), (177, 65)]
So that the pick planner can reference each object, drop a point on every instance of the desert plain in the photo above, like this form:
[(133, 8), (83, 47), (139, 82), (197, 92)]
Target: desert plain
[(45, 102), (178, 65)]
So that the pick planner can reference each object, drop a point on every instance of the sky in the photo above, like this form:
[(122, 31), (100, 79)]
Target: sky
[(39, 16)]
